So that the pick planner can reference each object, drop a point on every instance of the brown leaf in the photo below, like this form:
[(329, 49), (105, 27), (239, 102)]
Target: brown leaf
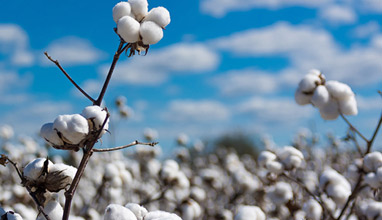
[(3, 160)]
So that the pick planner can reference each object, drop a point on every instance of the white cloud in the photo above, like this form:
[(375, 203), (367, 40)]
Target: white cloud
[(370, 5), (154, 68), (337, 14), (239, 82), (274, 109), (366, 30), (196, 110), (12, 80), (369, 103), (72, 51), (14, 42), (219, 8)]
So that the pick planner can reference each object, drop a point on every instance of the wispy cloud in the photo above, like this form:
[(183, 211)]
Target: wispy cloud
[(338, 14), (366, 30)]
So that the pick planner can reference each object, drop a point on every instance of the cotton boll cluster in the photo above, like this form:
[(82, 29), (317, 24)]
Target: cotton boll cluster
[(335, 186), (332, 98), (371, 209), (372, 165), (71, 131), (287, 158), (137, 25)]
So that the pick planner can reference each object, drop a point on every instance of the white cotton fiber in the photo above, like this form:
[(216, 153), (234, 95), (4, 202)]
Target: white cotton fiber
[(161, 215), (32, 170), (128, 29), (139, 8), (53, 209), (330, 111), (159, 15), (372, 161), (50, 135), (302, 98), (150, 32), (73, 128), (120, 10), (339, 90), (138, 210), (312, 209), (309, 83), (118, 212), (249, 213), (265, 157), (97, 116), (320, 96), (348, 106)]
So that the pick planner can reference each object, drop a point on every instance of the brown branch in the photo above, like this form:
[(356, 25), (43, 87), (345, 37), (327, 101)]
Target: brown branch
[(70, 78), (370, 143), (152, 144), (353, 128)]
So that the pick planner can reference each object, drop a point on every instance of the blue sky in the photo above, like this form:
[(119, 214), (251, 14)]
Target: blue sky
[(221, 66)]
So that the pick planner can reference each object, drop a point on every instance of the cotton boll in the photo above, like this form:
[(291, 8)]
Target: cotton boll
[(320, 96), (339, 90), (372, 161), (6, 132), (335, 185), (348, 106), (33, 170), (159, 15), (275, 167), (161, 215), (66, 170), (280, 193), (373, 209), (249, 213), (330, 111), (309, 83), (128, 29), (191, 210), (315, 72), (97, 116), (313, 210), (118, 212), (111, 171), (290, 157), (150, 32), (338, 193), (50, 135), (139, 211), (53, 209), (265, 157), (302, 98), (121, 9), (372, 180), (139, 8), (73, 128), (198, 193)]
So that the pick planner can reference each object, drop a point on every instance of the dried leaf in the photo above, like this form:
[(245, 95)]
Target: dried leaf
[(3, 160)]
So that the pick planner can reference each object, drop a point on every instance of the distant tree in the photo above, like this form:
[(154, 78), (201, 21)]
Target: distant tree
[(240, 142)]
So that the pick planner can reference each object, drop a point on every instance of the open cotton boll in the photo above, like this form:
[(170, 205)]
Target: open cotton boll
[(190, 210), (121, 9), (6, 132), (275, 167), (245, 212), (161, 215), (335, 185), (315, 72), (139, 8), (33, 170), (118, 212), (320, 96), (348, 106), (309, 83), (339, 90), (97, 116), (373, 209), (301, 98), (290, 157), (330, 111), (50, 135), (139, 211), (65, 170), (280, 193), (73, 128), (53, 209), (372, 161), (128, 29), (150, 32), (338, 192), (159, 15), (372, 180), (265, 157), (313, 210)]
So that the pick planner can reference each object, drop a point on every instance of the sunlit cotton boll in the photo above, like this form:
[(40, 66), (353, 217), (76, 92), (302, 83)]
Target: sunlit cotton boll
[(53, 209), (372, 180), (139, 211), (118, 212), (32, 170), (301, 98), (50, 135), (348, 106), (280, 193), (312, 209), (73, 128), (161, 215), (121, 9), (265, 157), (249, 213), (330, 111), (339, 90), (290, 157), (159, 15), (150, 32), (320, 96), (128, 29), (97, 116), (372, 161), (309, 83), (139, 8)]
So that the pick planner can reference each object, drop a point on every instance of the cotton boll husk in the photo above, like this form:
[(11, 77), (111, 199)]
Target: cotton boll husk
[(265, 157), (150, 32), (66, 170), (302, 98), (139, 8), (121, 9), (348, 106), (74, 128), (32, 170), (330, 111), (372, 161), (372, 180), (280, 193), (128, 29), (309, 83), (97, 116), (50, 135), (313, 210), (139, 211), (159, 15), (118, 212), (320, 96), (249, 213), (53, 209), (339, 90), (161, 215)]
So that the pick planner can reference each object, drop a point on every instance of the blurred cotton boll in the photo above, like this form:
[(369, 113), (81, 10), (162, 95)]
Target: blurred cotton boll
[(128, 29), (339, 90), (313, 210), (161, 215), (118, 212), (335, 185), (249, 213), (290, 157), (280, 193), (120, 10), (159, 15), (6, 132), (372, 161), (53, 209), (150, 32), (139, 211)]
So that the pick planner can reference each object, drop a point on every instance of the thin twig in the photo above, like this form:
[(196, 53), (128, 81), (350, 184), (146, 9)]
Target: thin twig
[(70, 78), (152, 144), (353, 128), (370, 143)]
